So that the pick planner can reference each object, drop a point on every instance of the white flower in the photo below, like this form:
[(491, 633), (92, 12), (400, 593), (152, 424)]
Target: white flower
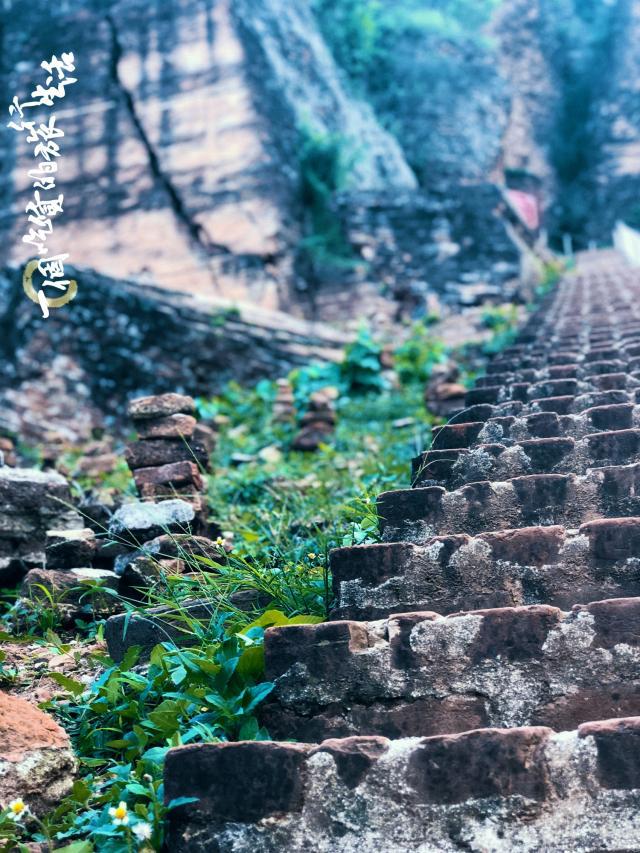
[(119, 814), (17, 809), (142, 831)]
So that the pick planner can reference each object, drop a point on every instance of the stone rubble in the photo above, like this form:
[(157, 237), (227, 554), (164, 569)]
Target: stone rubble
[(167, 531), (31, 503)]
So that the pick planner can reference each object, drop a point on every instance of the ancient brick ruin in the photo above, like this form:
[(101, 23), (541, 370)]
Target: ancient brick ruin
[(478, 685), (171, 452)]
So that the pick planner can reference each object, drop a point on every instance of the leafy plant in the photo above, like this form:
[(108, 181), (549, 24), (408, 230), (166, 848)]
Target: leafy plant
[(305, 380), (8, 673), (361, 369), (323, 168), (551, 275), (123, 723), (416, 357), (500, 317), (503, 321), (220, 317)]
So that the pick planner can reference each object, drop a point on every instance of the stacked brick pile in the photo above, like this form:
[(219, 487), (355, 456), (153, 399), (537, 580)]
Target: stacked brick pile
[(284, 407), (318, 423), (479, 687), (171, 451)]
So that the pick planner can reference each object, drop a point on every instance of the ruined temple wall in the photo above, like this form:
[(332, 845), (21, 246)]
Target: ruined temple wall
[(175, 166)]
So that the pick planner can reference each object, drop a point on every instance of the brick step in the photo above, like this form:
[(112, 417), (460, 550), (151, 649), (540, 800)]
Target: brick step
[(567, 405), (557, 354), (524, 361), (463, 433), (456, 435), (466, 617), (585, 335), (572, 405), (549, 363), (527, 392), (454, 467), (504, 568), (416, 674), (526, 789), (570, 365), (580, 372), (415, 515), (550, 326), (548, 335)]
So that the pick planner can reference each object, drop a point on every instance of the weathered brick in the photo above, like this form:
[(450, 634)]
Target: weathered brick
[(160, 406), (164, 451), (375, 677), (526, 788), (618, 745), (175, 473), (171, 426), (480, 764)]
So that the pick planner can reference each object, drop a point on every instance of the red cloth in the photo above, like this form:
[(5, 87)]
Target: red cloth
[(526, 206)]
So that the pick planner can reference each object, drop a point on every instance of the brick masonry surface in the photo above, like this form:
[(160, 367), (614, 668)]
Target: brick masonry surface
[(478, 687)]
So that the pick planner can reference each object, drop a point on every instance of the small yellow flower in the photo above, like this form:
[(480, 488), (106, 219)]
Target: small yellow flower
[(311, 555), (119, 814), (219, 542), (17, 809)]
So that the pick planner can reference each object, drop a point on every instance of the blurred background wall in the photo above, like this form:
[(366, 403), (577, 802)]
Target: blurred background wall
[(325, 157)]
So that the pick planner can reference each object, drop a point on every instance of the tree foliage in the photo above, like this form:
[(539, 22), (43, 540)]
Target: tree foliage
[(415, 61), (581, 34)]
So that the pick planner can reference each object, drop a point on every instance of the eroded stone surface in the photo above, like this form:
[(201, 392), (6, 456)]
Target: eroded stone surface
[(524, 789), (36, 759), (31, 503), (536, 499), (550, 564), (420, 673), (139, 522), (160, 406)]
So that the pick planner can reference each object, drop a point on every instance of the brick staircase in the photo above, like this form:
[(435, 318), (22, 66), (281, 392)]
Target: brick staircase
[(479, 685)]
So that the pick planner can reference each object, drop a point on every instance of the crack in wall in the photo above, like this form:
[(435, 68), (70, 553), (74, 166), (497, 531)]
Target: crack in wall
[(198, 235)]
